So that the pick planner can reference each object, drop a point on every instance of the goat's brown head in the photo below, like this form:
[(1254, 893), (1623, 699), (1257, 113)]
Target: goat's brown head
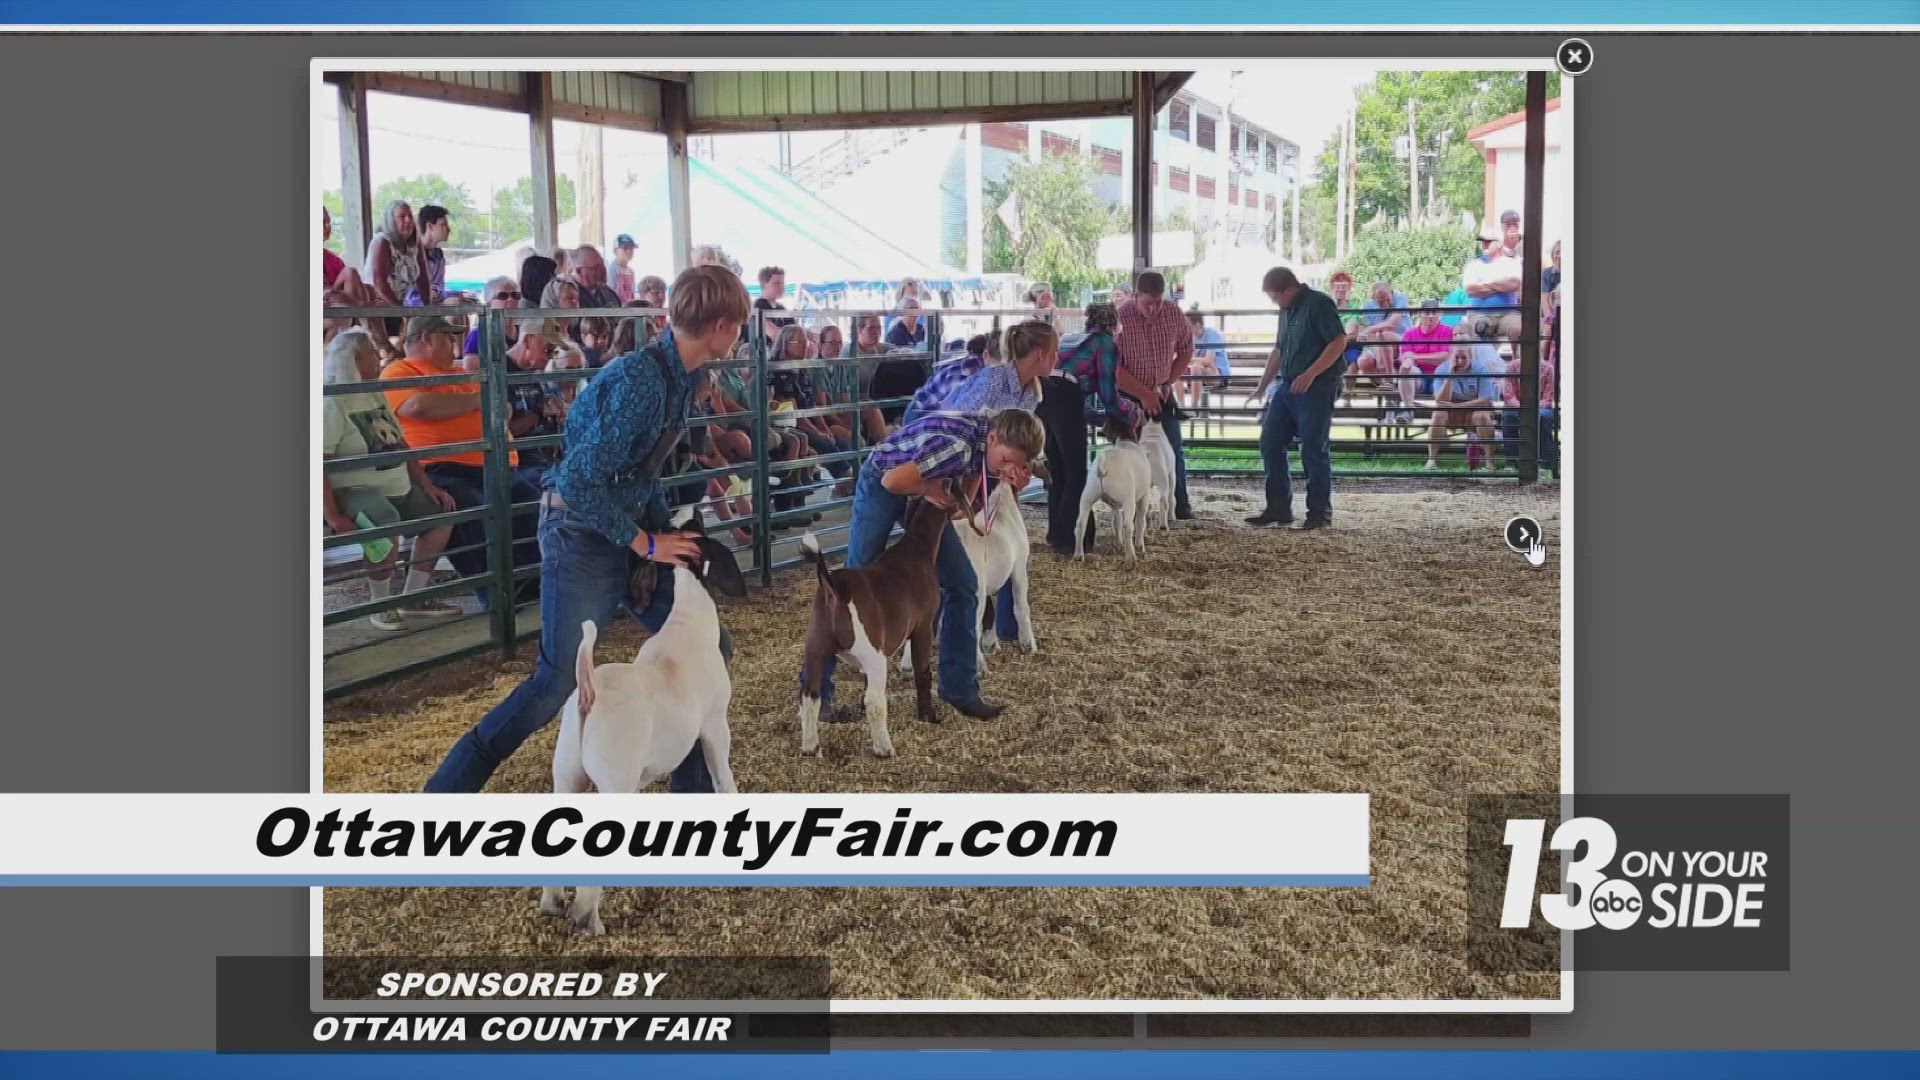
[(1118, 430)]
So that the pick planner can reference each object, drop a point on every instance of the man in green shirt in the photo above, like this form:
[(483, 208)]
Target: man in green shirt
[(1308, 358)]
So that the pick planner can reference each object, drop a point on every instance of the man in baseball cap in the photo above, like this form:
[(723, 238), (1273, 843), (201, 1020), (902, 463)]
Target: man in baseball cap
[(620, 274), (1491, 279), (419, 327), (1510, 232)]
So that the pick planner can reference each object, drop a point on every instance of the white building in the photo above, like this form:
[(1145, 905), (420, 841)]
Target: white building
[(1503, 143), (927, 185)]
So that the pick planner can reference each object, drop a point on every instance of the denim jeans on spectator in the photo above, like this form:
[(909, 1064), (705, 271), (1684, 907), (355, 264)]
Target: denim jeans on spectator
[(875, 512), (467, 485), (1006, 626), (1310, 417), (583, 576), (1170, 423)]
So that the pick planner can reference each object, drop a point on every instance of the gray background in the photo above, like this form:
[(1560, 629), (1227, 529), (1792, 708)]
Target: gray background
[(1736, 463)]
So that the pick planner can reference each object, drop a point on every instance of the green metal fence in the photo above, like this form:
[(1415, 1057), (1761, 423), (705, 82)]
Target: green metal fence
[(1384, 437), (505, 621), (503, 579)]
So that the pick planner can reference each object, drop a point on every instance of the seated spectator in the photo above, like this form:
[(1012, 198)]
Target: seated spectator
[(620, 274), (394, 263), (867, 344), (1380, 328), (796, 386), (837, 383), (1340, 287), (536, 272), (538, 408), (1211, 365), (1547, 444), (590, 274), (336, 275), (435, 224), (596, 334), (561, 293), (500, 294), (1423, 348), (439, 415), (381, 495), (1468, 397), (909, 332), (895, 377), (1492, 279)]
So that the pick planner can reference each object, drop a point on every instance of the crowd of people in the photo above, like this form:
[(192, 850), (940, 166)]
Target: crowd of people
[(1134, 359)]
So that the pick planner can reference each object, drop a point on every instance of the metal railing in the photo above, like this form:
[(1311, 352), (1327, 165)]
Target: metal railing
[(1385, 435), (504, 576), (498, 511)]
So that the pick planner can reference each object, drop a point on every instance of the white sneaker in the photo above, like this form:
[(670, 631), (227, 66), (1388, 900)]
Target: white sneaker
[(1430, 466), (428, 609), (387, 620)]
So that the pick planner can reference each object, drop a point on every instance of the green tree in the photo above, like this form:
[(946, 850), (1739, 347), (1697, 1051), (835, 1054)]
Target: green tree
[(1446, 105), (1062, 220), (513, 209), (1423, 263), (435, 190)]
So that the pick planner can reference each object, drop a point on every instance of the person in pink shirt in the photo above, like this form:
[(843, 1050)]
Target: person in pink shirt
[(1423, 348)]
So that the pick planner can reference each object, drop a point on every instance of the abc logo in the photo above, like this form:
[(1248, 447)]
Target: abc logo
[(1616, 904)]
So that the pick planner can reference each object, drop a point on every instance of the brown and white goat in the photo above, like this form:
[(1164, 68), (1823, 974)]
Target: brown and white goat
[(865, 614)]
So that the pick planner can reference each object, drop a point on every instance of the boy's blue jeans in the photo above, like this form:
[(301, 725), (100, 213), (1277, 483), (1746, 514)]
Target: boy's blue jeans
[(875, 512), (1006, 626), (583, 576)]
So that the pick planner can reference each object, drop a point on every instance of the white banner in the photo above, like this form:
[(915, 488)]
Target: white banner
[(664, 839)]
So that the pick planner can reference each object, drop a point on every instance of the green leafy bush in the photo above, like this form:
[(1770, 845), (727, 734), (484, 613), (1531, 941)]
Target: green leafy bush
[(1422, 263)]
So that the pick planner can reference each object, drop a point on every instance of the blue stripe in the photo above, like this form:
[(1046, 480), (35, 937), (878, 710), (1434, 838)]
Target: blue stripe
[(473, 14), (1001, 1065), (1348, 881)]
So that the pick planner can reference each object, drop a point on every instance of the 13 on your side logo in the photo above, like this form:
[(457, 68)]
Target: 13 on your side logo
[(1675, 889)]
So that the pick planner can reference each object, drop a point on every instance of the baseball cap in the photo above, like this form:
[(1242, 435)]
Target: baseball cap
[(1509, 215), (421, 326), (1429, 305), (623, 240)]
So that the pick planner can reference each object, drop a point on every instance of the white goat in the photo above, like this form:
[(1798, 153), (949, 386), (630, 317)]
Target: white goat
[(627, 725), (999, 556), (1122, 478), (1153, 439)]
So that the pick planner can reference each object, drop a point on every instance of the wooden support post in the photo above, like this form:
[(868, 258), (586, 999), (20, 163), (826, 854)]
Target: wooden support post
[(546, 206), (356, 181), (1143, 113), (1531, 216), (674, 108)]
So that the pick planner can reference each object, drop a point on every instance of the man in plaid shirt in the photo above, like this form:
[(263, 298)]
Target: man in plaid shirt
[(1087, 383), (1156, 346)]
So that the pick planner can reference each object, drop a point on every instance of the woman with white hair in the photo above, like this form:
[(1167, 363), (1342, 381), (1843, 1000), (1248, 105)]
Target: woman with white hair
[(376, 496), (562, 293), (396, 262), (501, 293)]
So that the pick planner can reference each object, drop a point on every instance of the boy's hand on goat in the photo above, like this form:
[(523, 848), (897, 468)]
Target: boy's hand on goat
[(673, 548)]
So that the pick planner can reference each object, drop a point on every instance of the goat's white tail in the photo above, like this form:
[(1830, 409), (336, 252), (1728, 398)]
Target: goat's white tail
[(583, 666), (810, 551), (1100, 466)]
